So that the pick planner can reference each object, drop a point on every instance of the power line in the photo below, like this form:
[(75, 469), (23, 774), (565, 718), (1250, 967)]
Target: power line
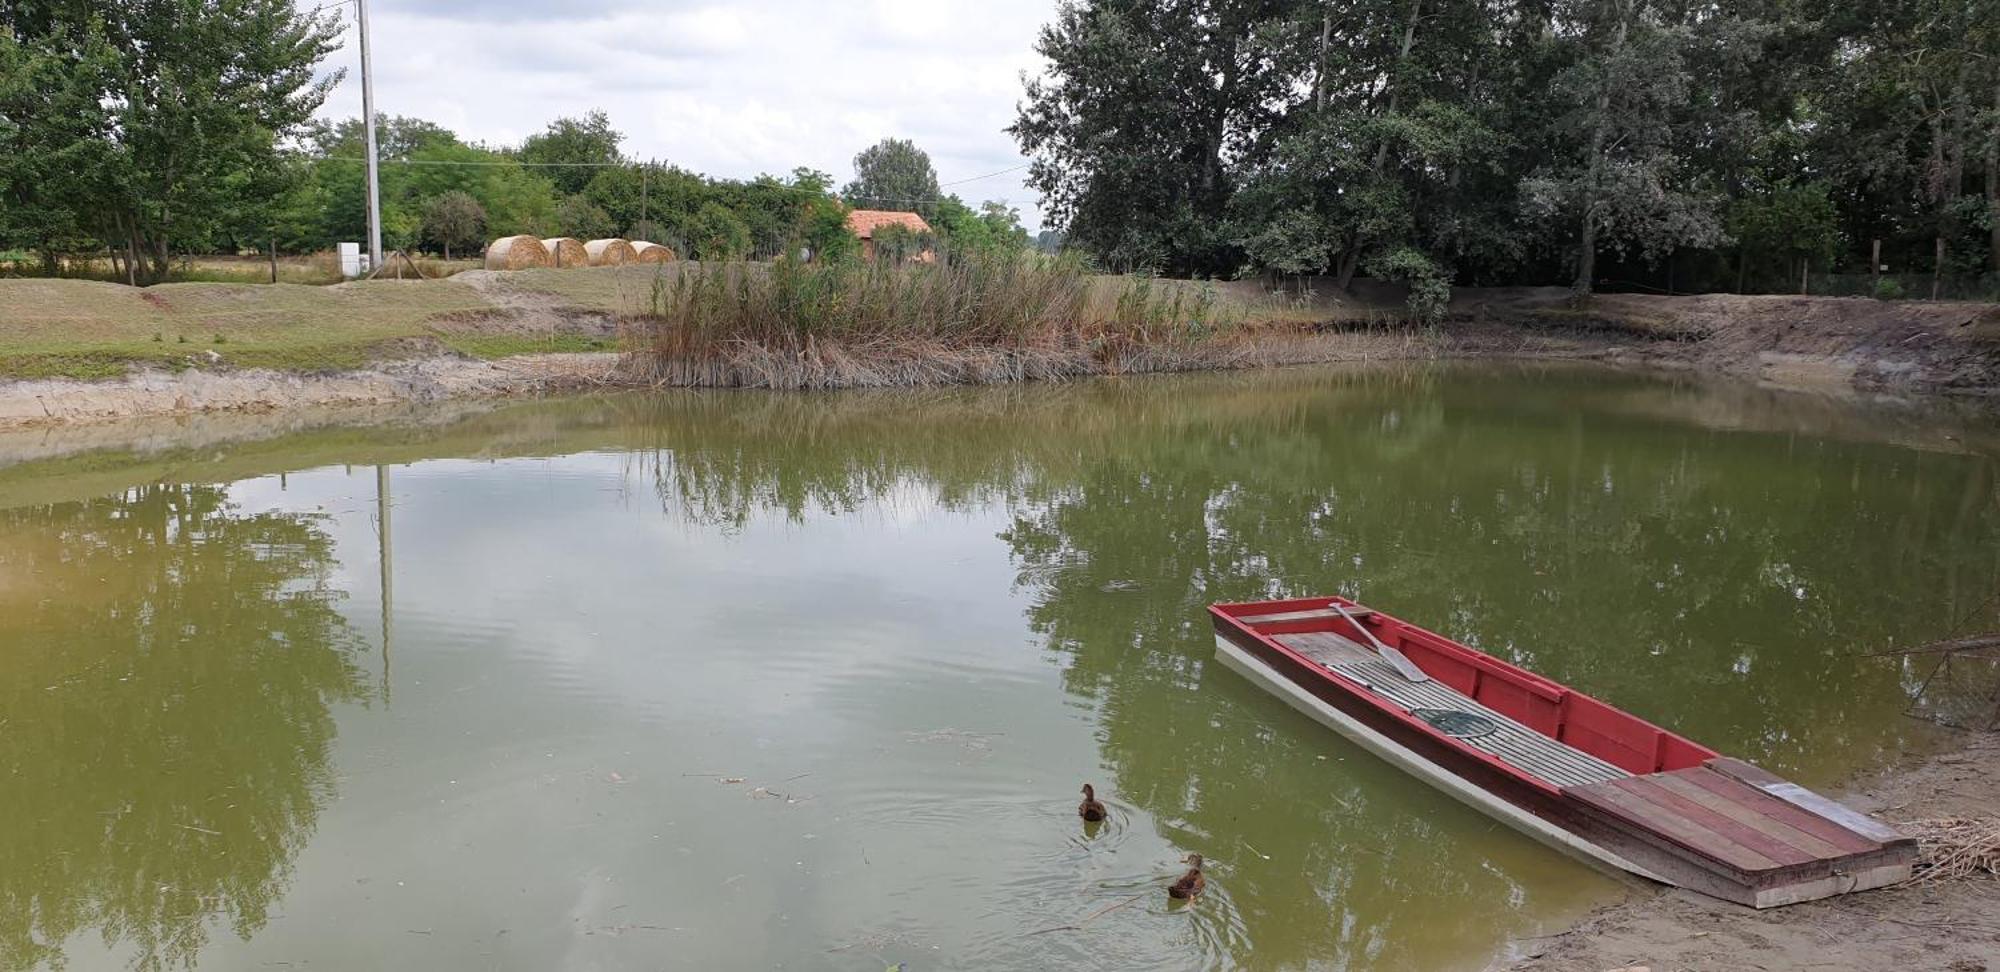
[(480, 163), (989, 175)]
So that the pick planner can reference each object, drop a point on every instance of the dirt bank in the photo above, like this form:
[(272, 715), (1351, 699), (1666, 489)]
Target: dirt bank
[(1949, 926), (28, 404), (156, 392), (478, 334), (1830, 342)]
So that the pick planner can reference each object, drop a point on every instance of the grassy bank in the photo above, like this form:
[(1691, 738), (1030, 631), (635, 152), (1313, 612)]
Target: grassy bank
[(91, 330), (790, 325)]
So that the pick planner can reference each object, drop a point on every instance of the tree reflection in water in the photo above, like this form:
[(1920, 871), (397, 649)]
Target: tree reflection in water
[(164, 718)]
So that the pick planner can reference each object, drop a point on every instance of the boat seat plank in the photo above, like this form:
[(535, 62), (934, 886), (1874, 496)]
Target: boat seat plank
[(1314, 614), (1325, 647), (1550, 760), (1721, 818)]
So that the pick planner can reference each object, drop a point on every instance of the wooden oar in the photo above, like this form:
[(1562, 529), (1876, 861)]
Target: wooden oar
[(1396, 659)]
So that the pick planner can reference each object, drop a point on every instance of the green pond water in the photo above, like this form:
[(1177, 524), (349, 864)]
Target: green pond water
[(740, 680)]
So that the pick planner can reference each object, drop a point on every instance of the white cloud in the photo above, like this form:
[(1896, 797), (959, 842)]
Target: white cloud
[(731, 90)]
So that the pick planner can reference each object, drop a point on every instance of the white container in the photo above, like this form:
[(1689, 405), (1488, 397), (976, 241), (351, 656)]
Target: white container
[(350, 260)]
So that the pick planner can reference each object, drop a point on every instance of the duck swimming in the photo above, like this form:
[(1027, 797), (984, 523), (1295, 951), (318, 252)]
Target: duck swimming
[(1090, 809), (1191, 884)]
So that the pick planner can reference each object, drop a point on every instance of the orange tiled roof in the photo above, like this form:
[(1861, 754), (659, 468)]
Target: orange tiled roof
[(864, 221)]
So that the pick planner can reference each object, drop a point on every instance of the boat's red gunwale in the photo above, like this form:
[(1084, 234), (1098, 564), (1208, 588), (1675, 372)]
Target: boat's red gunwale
[(1546, 706)]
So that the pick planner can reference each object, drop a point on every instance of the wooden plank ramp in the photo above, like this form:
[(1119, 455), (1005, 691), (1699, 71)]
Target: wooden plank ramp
[(1777, 850)]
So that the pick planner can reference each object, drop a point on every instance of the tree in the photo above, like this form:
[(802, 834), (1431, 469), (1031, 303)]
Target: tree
[(571, 151), (579, 217), (455, 217), (824, 232), (1793, 221), (1627, 188), (54, 137), (893, 174), (716, 233), (180, 111), (1147, 110)]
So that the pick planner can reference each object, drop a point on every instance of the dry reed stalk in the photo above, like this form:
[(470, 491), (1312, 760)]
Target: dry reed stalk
[(610, 253), (644, 252), (568, 252), (1956, 847), (516, 253)]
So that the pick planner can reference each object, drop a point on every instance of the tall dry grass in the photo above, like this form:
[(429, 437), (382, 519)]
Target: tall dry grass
[(978, 318)]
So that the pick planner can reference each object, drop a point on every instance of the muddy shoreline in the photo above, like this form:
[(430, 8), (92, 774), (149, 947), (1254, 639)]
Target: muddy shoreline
[(1947, 925)]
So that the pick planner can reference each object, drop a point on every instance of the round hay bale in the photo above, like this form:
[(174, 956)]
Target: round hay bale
[(644, 252), (568, 251), (516, 253), (610, 253)]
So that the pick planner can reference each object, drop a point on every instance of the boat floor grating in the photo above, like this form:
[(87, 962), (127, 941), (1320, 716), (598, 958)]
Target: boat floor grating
[(1513, 743)]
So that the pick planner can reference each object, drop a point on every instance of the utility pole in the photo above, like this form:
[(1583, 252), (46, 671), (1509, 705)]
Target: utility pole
[(368, 126)]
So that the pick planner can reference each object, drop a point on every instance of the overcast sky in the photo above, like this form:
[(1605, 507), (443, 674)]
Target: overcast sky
[(728, 89)]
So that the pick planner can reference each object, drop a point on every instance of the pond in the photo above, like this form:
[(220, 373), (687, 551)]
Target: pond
[(746, 680)]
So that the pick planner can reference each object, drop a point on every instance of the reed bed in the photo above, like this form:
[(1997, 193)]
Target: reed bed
[(978, 319)]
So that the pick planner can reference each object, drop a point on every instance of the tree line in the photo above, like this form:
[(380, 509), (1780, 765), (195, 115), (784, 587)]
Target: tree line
[(144, 131), (1720, 144)]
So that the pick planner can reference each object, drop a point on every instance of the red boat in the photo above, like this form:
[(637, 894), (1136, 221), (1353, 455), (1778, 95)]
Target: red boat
[(1554, 762)]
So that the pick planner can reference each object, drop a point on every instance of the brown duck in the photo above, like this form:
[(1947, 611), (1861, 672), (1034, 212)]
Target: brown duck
[(1190, 885), (1090, 809)]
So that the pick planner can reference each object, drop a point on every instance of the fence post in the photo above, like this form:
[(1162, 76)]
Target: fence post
[(274, 259), (1937, 269), (1875, 268)]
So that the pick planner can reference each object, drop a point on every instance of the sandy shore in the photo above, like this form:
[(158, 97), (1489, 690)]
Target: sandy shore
[(1950, 926), (152, 393)]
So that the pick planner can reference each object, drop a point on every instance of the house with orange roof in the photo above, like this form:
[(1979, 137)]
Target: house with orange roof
[(864, 222)]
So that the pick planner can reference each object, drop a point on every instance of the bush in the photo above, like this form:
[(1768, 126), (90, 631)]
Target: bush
[(1888, 288)]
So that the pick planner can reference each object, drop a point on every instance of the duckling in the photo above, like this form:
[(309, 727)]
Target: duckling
[(1190, 886), (1090, 809)]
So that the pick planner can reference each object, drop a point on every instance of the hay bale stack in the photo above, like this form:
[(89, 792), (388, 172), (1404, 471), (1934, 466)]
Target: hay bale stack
[(644, 252), (610, 253), (568, 251), (516, 253)]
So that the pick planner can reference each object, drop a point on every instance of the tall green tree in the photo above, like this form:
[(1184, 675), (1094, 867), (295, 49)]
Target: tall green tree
[(1148, 113), (1624, 185), (180, 112), (893, 174), (571, 151), (454, 218), (55, 134)]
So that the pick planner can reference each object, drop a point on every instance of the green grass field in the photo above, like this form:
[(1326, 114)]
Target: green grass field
[(87, 329)]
